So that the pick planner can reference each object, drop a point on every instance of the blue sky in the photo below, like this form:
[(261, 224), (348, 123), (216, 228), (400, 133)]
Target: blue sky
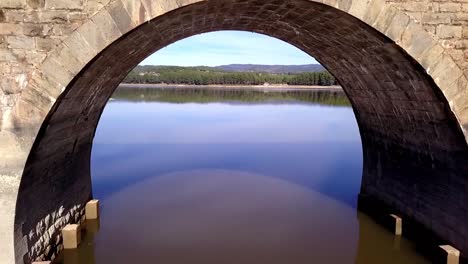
[(228, 47)]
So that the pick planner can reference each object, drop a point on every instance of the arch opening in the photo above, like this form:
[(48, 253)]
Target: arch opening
[(412, 142)]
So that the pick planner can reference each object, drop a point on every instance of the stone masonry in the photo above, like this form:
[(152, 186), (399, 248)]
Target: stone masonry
[(446, 21), (402, 63)]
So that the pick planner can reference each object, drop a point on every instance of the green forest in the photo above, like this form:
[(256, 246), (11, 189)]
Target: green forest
[(213, 76), (209, 95)]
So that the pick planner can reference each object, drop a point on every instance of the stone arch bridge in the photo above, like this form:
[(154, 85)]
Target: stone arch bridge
[(402, 63)]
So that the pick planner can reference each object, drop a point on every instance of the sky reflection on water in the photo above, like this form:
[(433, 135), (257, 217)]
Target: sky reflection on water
[(228, 182), (313, 145)]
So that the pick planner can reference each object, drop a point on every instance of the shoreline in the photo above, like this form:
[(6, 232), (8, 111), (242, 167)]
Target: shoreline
[(278, 87)]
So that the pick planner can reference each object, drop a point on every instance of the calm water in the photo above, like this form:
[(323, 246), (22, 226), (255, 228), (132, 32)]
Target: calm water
[(227, 176)]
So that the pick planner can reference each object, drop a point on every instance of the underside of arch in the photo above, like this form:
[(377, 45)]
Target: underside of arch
[(411, 139)]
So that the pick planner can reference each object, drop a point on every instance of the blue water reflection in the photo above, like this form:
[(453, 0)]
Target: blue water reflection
[(231, 176), (317, 146)]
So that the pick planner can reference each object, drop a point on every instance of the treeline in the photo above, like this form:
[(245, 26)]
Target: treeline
[(205, 76), (208, 95)]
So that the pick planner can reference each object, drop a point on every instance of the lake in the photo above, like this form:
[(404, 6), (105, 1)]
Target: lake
[(226, 175)]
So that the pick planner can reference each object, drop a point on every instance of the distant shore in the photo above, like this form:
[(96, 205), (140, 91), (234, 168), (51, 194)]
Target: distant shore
[(253, 87)]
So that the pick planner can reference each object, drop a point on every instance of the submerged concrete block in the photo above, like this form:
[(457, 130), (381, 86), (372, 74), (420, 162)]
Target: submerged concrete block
[(453, 254), (398, 224), (71, 236), (92, 209)]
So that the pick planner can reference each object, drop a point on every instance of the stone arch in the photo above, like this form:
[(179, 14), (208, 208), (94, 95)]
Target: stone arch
[(121, 16), (408, 95)]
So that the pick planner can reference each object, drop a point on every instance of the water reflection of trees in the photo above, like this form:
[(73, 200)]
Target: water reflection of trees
[(208, 95)]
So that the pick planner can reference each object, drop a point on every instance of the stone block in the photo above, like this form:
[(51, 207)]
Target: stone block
[(358, 8), (46, 43), (93, 6), (31, 57), (71, 236), (416, 41), (449, 31), (77, 17), (20, 42), (36, 3), (56, 72), (3, 43), (385, 18), (52, 16), (91, 34), (373, 11), (68, 60), (446, 74), (45, 85), (122, 19), (450, 7), (397, 26), (26, 112), (186, 2), (30, 29), (61, 30), (12, 3), (7, 55), (431, 57), (18, 16), (415, 6), (10, 29), (106, 26), (40, 104), (64, 4), (153, 8), (437, 18), (92, 210), (398, 224), (453, 255), (136, 10), (80, 48)]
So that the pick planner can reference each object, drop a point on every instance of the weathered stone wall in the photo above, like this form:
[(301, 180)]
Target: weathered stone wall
[(48, 232), (55, 57), (447, 22), (29, 29)]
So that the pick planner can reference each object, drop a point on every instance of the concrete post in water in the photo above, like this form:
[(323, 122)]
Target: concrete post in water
[(92, 209), (398, 224), (71, 236), (453, 254)]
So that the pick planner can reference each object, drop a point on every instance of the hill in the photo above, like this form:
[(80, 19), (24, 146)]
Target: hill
[(236, 74), (277, 69)]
